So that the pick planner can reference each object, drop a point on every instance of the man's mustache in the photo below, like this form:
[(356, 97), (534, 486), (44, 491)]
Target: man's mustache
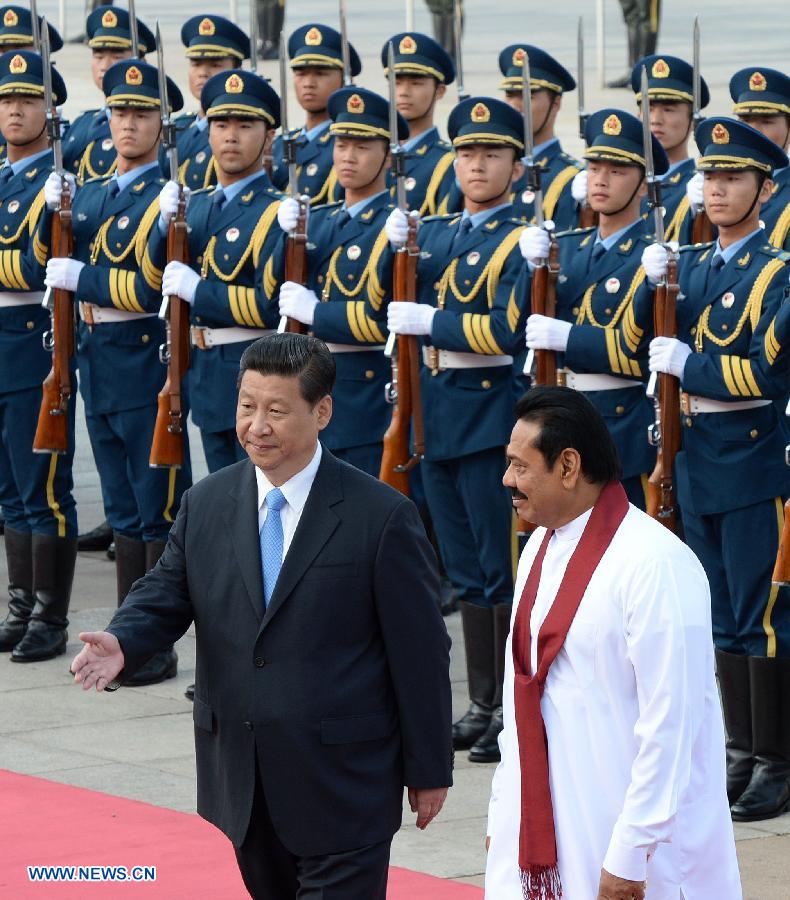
[(516, 494)]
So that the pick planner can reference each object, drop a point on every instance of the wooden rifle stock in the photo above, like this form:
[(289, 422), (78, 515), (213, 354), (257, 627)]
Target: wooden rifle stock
[(52, 430), (296, 262), (781, 575), (587, 216), (544, 303), (167, 447), (702, 229), (404, 390), (665, 433)]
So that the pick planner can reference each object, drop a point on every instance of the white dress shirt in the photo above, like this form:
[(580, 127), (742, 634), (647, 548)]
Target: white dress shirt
[(633, 722), (295, 491)]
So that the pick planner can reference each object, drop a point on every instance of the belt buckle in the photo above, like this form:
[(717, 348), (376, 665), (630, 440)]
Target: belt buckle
[(433, 359), (198, 338), (86, 314), (685, 403), (561, 377)]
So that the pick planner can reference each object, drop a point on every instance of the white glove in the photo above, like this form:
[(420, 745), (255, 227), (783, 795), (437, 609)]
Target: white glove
[(579, 187), (178, 280), (410, 318), (668, 355), (545, 333), (694, 191), (53, 187), (168, 200), (534, 244), (297, 302), (655, 261), (288, 214), (63, 273), (397, 226)]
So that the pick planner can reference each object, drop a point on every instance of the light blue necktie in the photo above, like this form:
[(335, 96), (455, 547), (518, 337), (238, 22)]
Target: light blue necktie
[(272, 542)]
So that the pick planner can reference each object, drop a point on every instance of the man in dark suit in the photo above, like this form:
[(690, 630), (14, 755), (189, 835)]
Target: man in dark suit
[(322, 683)]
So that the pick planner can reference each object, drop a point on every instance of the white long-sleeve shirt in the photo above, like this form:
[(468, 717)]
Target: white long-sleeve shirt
[(634, 726)]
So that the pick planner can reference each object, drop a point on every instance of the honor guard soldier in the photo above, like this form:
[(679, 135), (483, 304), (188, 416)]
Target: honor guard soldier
[(731, 475), (762, 99), (119, 293), (232, 230), (214, 44), (670, 85), (471, 324), (35, 488), (600, 271), (548, 82), (349, 271), (317, 62), (88, 150), (16, 30), (423, 71)]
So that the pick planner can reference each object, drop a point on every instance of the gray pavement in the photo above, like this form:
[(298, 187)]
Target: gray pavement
[(140, 740)]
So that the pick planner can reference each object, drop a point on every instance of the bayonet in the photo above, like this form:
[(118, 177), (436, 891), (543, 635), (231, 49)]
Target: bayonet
[(458, 27), (653, 184), (168, 125), (398, 157), (35, 26), (289, 142), (133, 30), (696, 78), (580, 77), (345, 51), (533, 174), (253, 36), (50, 104)]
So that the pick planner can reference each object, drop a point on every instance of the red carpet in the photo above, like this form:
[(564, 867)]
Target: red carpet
[(43, 823)]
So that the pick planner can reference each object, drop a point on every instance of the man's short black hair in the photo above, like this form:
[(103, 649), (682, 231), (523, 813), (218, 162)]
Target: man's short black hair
[(568, 419), (293, 356)]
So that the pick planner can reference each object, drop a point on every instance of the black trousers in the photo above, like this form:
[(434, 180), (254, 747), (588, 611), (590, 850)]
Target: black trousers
[(270, 872)]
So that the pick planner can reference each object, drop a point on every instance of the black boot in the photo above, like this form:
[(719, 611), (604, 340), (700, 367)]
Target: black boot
[(444, 32), (486, 748), (53, 575), (478, 626), (163, 664), (768, 793), (98, 539), (733, 674), (634, 48), (19, 558)]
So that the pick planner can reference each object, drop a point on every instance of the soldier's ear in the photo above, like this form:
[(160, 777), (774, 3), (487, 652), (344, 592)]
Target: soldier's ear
[(441, 90), (518, 169), (766, 190)]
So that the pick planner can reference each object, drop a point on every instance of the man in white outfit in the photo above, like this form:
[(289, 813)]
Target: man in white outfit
[(623, 797)]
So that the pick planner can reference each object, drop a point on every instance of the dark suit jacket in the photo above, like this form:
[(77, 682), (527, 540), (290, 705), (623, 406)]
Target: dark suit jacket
[(342, 687)]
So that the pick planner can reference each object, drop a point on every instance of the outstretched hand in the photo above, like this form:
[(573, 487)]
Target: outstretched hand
[(99, 661), (427, 803)]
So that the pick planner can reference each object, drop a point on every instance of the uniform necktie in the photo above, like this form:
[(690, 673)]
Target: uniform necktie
[(342, 219), (463, 229), (272, 542), (598, 251), (5, 174), (113, 187), (217, 202), (717, 263)]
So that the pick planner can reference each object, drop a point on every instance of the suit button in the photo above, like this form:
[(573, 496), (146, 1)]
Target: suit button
[(693, 329), (575, 310), (688, 421), (30, 325), (320, 279), (724, 327), (619, 410), (145, 338), (485, 383), (248, 725), (350, 277), (369, 374), (260, 662), (753, 433), (199, 260), (608, 311)]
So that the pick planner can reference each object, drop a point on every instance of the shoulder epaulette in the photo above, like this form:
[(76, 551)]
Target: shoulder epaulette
[(573, 231), (99, 179), (696, 247), (774, 252), (444, 217), (566, 157), (203, 190)]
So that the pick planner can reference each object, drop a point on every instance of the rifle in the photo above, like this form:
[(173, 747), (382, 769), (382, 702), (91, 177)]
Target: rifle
[(35, 27), (663, 389), (701, 229), (404, 389), (587, 218), (52, 430), (458, 27), (296, 245), (541, 365), (167, 446), (781, 574)]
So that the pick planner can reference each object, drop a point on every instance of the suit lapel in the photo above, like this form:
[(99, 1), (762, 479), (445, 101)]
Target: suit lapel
[(242, 521), (316, 525)]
